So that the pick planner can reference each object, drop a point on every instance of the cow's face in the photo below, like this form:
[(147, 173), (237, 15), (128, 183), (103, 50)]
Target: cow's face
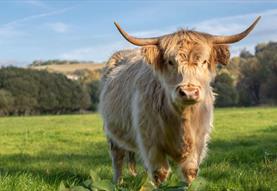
[(187, 72), (185, 67)]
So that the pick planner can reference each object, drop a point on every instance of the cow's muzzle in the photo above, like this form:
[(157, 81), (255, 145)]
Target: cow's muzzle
[(188, 93)]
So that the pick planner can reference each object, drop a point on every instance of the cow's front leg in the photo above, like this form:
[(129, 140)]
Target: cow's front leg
[(159, 166), (154, 158), (189, 161), (194, 151), (156, 163), (189, 169)]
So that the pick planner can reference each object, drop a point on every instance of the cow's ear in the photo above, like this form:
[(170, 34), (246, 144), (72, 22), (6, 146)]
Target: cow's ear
[(153, 55), (221, 54)]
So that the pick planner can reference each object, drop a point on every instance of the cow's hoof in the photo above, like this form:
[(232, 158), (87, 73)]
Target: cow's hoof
[(160, 176), (190, 175), (133, 172)]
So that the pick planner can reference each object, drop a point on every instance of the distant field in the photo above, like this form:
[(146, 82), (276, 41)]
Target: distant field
[(37, 153), (68, 68)]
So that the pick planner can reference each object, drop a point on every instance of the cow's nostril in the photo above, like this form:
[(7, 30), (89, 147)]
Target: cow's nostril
[(196, 93), (182, 92)]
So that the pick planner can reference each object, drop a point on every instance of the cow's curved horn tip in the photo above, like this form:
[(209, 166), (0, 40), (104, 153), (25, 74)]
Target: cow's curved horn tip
[(257, 20), (115, 23)]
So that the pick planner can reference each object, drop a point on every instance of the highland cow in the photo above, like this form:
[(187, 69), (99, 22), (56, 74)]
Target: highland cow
[(157, 100)]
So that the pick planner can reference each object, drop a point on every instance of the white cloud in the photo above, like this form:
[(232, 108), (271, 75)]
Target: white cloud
[(235, 50), (96, 53), (235, 24), (264, 31), (59, 27)]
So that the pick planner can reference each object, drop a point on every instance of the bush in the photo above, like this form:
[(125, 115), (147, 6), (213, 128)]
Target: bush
[(94, 91)]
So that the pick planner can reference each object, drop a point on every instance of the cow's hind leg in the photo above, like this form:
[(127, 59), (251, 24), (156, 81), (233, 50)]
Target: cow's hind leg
[(132, 163), (117, 155)]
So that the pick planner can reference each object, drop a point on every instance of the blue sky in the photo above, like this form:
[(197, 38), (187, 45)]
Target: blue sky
[(83, 30)]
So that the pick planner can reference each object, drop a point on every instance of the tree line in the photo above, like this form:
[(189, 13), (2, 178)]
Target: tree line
[(27, 92), (249, 79)]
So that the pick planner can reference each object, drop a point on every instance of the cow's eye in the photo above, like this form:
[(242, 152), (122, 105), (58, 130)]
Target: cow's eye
[(204, 62), (170, 63)]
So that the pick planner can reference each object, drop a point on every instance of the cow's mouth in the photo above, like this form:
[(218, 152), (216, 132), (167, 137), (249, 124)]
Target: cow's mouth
[(181, 105), (190, 102)]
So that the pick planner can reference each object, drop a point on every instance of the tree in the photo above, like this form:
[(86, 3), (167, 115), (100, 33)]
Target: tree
[(266, 54), (257, 80), (225, 90), (6, 102), (94, 91), (249, 81)]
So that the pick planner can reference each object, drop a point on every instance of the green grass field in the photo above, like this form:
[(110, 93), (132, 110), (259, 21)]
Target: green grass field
[(38, 153)]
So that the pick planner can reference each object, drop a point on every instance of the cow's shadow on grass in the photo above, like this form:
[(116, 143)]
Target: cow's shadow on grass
[(54, 168)]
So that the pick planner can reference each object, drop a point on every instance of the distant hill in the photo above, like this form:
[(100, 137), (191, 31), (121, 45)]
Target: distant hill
[(59, 62), (68, 68), (74, 70)]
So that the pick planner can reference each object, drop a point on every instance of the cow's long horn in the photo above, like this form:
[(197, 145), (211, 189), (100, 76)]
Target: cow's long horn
[(137, 41), (234, 38)]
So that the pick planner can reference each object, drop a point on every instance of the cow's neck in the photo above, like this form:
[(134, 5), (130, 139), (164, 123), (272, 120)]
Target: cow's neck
[(186, 125)]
